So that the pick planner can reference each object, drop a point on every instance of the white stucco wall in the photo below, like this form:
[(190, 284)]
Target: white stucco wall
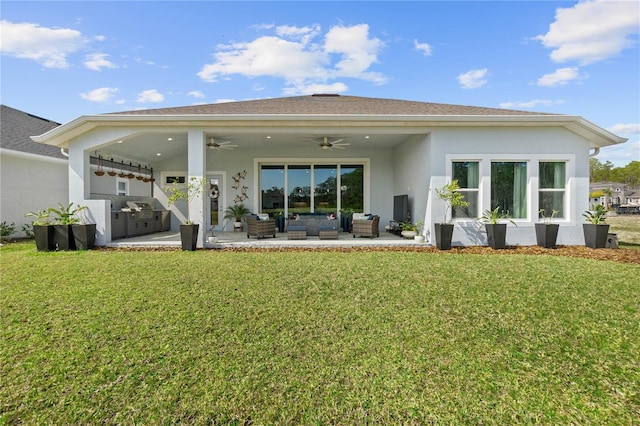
[(512, 144), (411, 172), (30, 182), (414, 167)]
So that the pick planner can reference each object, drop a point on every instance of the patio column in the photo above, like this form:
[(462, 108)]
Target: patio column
[(196, 168)]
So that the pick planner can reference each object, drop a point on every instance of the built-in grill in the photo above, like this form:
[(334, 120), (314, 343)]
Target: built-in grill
[(138, 211)]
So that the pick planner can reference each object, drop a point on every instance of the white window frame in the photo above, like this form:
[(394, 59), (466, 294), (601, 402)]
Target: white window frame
[(563, 189), (533, 183), (120, 180), (178, 174), (258, 162)]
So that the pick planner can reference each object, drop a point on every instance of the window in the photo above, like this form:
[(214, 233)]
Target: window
[(299, 183), (468, 176), (318, 188), (352, 187), (325, 189), (552, 190), (272, 180), (122, 186), (509, 188)]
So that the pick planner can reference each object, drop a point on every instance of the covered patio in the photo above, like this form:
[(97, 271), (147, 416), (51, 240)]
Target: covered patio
[(240, 240)]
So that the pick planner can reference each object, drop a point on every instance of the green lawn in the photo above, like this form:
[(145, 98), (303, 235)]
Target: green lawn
[(212, 337)]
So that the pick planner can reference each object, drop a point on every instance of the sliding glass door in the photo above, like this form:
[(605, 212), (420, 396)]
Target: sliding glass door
[(311, 188)]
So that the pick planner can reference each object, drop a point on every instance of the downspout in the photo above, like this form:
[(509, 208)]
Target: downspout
[(595, 152), (65, 153)]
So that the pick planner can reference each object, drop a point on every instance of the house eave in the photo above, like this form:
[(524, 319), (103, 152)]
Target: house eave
[(597, 136)]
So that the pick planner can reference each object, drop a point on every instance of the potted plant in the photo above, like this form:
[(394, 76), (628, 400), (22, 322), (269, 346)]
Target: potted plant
[(43, 230), (546, 231), (212, 238), (419, 237), (280, 220), (595, 230), (188, 229), (409, 230), (495, 227), (84, 233), (64, 217), (236, 213), (452, 199), (345, 218)]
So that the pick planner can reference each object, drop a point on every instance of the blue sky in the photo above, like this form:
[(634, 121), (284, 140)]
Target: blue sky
[(61, 60)]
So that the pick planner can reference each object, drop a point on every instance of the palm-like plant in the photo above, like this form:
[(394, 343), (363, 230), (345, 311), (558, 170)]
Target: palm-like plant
[(597, 216), (236, 212), (451, 197)]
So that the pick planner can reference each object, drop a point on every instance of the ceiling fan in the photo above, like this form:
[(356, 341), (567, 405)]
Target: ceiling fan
[(326, 144), (213, 144)]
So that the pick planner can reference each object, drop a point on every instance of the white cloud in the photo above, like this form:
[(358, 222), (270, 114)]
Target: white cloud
[(223, 101), (100, 38), (621, 155), (304, 34), (292, 55), (151, 95), (358, 52), (97, 61), (47, 46), (473, 79), (103, 94), (560, 77), (310, 89), (530, 104), (425, 48), (626, 129), (196, 94), (592, 30)]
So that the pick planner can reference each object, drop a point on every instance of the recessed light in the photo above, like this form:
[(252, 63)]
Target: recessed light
[(366, 137), (268, 137), (169, 139), (120, 141), (158, 154)]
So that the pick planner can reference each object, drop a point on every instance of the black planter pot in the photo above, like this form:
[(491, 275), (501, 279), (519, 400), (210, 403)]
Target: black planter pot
[(547, 234), (84, 236), (63, 238), (595, 236), (44, 236), (444, 234), (189, 236), (496, 235)]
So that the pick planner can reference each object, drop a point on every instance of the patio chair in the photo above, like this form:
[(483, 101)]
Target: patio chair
[(366, 227), (260, 228)]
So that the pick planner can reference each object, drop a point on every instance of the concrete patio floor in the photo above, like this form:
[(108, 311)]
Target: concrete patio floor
[(239, 239)]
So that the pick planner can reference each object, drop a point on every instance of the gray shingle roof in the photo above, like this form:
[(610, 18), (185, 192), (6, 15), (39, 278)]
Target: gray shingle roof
[(329, 104), (16, 128)]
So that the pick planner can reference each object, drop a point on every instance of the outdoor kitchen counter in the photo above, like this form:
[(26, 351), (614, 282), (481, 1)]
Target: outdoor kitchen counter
[(127, 223)]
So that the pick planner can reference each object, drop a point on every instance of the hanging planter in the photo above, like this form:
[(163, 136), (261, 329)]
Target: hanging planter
[(112, 172), (100, 171)]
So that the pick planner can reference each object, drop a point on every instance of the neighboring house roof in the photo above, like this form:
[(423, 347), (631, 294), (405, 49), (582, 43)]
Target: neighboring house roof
[(331, 111), (17, 127)]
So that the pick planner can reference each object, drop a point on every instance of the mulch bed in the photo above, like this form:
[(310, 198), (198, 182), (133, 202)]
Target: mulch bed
[(614, 255)]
